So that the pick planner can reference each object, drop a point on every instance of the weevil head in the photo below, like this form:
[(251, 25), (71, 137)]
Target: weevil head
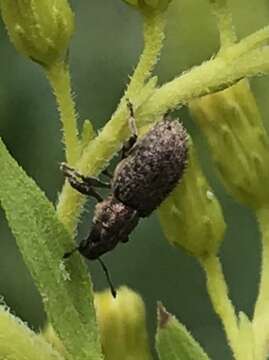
[(112, 223)]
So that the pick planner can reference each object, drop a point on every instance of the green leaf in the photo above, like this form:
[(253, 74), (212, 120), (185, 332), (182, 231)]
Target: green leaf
[(42, 240), (173, 341), (18, 342)]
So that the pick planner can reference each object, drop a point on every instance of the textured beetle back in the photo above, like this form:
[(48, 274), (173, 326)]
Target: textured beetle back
[(153, 167)]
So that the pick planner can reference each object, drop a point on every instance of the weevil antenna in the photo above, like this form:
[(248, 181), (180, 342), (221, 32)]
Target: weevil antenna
[(68, 254), (105, 269)]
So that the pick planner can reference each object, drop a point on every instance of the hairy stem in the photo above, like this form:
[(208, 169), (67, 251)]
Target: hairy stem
[(153, 26), (224, 18), (217, 74), (261, 319), (59, 78), (218, 292)]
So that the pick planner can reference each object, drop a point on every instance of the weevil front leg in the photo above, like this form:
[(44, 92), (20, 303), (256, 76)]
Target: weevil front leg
[(84, 184), (134, 133)]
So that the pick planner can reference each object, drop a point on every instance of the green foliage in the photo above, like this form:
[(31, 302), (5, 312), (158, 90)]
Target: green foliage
[(18, 342), (173, 341), (42, 239), (191, 216)]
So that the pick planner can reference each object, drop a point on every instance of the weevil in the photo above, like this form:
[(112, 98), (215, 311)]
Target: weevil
[(149, 169)]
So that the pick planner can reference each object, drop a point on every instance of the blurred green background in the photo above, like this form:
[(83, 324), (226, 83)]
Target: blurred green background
[(104, 51)]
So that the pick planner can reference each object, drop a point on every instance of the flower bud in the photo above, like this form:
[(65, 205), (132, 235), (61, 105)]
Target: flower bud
[(239, 144), (122, 325), (149, 5), (191, 217), (39, 29)]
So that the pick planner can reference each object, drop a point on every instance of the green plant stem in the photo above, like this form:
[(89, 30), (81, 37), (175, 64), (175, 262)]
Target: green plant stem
[(116, 130), (59, 78), (218, 292), (261, 312), (153, 30), (217, 74), (224, 18)]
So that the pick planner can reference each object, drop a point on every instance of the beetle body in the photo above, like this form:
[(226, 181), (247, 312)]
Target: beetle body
[(152, 168), (142, 180)]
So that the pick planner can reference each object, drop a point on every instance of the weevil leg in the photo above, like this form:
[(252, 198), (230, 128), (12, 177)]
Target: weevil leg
[(84, 188), (132, 120), (89, 180), (134, 133), (85, 185), (107, 173)]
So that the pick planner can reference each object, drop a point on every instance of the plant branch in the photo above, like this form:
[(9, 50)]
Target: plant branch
[(211, 76), (59, 78), (218, 292), (260, 318), (153, 30), (224, 18)]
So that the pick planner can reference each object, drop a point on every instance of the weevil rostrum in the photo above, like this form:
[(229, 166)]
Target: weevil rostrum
[(150, 168)]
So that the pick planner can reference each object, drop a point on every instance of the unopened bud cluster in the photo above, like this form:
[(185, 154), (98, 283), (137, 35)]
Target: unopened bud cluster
[(239, 144)]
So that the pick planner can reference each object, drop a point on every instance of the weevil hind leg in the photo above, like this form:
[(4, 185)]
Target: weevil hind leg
[(134, 133), (132, 120), (83, 184), (70, 172), (107, 173)]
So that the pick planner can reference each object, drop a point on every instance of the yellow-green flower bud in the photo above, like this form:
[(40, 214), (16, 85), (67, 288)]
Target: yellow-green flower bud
[(122, 325), (149, 5), (239, 144), (39, 29), (191, 217)]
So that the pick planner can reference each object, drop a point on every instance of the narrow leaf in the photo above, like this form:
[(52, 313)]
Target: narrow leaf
[(18, 342), (173, 341), (42, 240)]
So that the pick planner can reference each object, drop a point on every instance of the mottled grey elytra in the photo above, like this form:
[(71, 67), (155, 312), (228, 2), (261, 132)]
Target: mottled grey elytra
[(150, 168)]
